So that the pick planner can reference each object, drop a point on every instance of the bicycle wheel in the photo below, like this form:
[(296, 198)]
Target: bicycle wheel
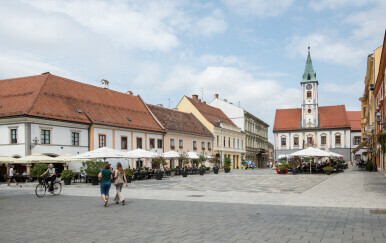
[(57, 188), (40, 190)]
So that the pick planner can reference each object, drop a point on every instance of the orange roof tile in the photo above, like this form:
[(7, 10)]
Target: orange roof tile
[(354, 118), (330, 117), (212, 114), (54, 97), (181, 122)]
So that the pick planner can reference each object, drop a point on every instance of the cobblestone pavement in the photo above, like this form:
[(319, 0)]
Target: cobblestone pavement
[(348, 207)]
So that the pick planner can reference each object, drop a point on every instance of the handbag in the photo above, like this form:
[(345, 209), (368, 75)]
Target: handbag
[(118, 181)]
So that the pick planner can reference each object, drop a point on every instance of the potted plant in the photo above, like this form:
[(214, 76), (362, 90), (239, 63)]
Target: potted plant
[(92, 169), (201, 161), (184, 158), (172, 171), (129, 174), (227, 165), (156, 163), (67, 176), (328, 170), (38, 170), (283, 168)]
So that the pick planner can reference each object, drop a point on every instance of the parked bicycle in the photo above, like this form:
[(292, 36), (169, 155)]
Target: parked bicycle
[(44, 186)]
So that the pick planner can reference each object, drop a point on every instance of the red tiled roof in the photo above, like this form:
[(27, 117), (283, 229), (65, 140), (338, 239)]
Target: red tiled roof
[(54, 97), (330, 117), (212, 114), (354, 118), (181, 122)]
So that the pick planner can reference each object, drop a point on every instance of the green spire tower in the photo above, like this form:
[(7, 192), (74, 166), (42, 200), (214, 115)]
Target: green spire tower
[(309, 83), (309, 74)]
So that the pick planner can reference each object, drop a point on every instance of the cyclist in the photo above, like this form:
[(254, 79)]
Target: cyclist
[(51, 177)]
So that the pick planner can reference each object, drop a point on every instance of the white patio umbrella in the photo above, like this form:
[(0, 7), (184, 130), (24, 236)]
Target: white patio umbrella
[(311, 152), (35, 158), (192, 155), (140, 154), (332, 154), (101, 153), (171, 155), (6, 159)]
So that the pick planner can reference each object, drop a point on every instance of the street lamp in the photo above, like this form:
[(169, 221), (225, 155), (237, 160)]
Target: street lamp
[(378, 117)]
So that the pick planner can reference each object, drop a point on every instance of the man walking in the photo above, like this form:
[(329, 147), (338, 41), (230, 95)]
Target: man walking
[(12, 173)]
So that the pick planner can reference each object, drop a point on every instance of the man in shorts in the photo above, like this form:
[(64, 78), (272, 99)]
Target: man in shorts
[(51, 176), (12, 173)]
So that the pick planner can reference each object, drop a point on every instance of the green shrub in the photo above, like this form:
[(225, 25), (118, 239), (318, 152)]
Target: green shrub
[(184, 158), (67, 174), (172, 169), (227, 163), (129, 172), (92, 168), (156, 162), (283, 166), (328, 169), (38, 170)]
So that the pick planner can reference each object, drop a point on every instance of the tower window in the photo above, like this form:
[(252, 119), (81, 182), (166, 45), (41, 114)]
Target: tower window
[(309, 111), (309, 94), (308, 77)]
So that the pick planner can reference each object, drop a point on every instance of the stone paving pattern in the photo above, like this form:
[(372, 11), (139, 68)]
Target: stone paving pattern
[(194, 216)]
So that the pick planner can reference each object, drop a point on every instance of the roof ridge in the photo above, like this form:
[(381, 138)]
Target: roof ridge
[(38, 94), (32, 76)]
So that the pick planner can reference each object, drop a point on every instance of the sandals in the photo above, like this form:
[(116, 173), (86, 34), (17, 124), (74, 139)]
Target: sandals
[(123, 202), (105, 204)]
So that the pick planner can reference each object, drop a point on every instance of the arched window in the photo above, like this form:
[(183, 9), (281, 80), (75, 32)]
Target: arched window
[(338, 139), (323, 139), (309, 110), (296, 140), (283, 141)]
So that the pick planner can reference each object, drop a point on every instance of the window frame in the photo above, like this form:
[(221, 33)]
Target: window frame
[(209, 146), (296, 139), (158, 143), (338, 135), (99, 139), (11, 135), (172, 145), (285, 141), (323, 137), (150, 142), (309, 94), (194, 144), (202, 145), (73, 139), (43, 140), (127, 143), (136, 142), (180, 143)]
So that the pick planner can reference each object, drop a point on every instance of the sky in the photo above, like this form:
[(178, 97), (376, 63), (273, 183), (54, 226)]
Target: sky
[(250, 52)]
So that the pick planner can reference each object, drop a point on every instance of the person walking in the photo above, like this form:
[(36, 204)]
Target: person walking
[(105, 177), (12, 173), (120, 178)]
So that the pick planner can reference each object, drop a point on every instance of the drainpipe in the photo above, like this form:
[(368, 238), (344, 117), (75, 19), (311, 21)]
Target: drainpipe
[(374, 126)]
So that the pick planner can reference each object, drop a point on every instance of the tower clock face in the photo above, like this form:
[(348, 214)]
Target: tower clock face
[(309, 86)]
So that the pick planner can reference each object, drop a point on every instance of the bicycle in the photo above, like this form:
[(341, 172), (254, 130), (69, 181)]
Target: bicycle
[(44, 185)]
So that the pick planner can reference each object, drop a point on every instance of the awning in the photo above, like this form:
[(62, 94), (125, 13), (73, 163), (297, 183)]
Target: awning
[(361, 145)]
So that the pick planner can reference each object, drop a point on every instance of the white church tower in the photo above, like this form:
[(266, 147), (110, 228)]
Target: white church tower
[(310, 115)]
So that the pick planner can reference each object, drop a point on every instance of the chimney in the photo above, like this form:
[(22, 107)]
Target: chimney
[(105, 84), (216, 96), (225, 100), (161, 105), (195, 97), (204, 102), (129, 92)]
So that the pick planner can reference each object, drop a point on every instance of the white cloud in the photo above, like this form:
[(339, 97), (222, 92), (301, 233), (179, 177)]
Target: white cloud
[(149, 25), (210, 25), (326, 49), (354, 88), (259, 8), (319, 5)]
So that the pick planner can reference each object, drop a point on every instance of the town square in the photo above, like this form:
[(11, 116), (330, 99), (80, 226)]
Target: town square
[(192, 121)]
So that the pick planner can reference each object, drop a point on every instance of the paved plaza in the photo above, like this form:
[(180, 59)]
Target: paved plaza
[(243, 206)]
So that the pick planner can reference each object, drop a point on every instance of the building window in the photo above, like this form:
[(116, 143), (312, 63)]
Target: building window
[(218, 141), (309, 110), (323, 140), (202, 145), (337, 139), (152, 143), (242, 144), (229, 142), (159, 143), (364, 112), (296, 141), (13, 136), (283, 141), (102, 141), (123, 142), (209, 146), (309, 95), (172, 145), (357, 140), (194, 145), (139, 143), (75, 139), (224, 142), (181, 144), (238, 143), (46, 136), (234, 143)]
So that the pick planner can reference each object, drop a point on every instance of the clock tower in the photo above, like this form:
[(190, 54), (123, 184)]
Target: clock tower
[(309, 83)]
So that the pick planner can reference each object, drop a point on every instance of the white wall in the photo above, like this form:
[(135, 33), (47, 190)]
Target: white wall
[(235, 113), (6, 148)]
